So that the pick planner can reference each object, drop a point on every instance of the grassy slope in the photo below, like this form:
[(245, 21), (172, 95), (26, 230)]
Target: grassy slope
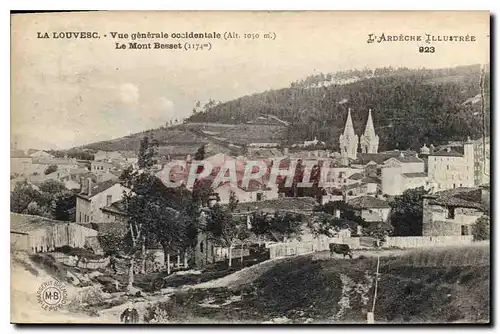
[(337, 290)]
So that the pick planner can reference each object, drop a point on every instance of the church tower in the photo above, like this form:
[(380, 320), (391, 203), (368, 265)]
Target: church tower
[(348, 141), (369, 140)]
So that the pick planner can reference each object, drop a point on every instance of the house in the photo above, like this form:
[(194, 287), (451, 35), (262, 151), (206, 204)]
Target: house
[(482, 161), (115, 213), (41, 155), (100, 166), (106, 156), (452, 212), (38, 234), (450, 168), (371, 209), (20, 162), (402, 173), (254, 192), (94, 197)]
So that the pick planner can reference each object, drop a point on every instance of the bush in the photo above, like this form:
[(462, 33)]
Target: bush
[(481, 229)]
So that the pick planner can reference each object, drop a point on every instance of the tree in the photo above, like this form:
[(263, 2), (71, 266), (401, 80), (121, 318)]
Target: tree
[(50, 169), (224, 228), (148, 150), (22, 195), (64, 203), (200, 153), (379, 231), (407, 212), (278, 225), (322, 223), (481, 228), (52, 187)]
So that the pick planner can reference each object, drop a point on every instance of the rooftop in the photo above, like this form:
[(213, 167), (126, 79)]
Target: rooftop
[(97, 188), (458, 197), (280, 204), (368, 202), (117, 207), (25, 224), (356, 176), (412, 175)]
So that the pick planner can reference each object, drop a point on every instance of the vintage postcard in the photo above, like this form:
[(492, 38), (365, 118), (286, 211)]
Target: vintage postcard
[(250, 167)]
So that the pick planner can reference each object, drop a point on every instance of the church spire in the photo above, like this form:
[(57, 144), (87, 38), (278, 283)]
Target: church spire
[(348, 141), (369, 140), (369, 129), (349, 128)]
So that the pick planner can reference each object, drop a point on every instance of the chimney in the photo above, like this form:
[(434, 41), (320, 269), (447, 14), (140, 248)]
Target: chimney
[(448, 149), (402, 155), (89, 186), (285, 151)]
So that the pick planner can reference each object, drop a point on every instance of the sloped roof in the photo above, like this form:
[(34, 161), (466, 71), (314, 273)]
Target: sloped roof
[(356, 176), (408, 158), (368, 202), (446, 153), (458, 197), (412, 175), (368, 179), (18, 154), (280, 204), (25, 224), (99, 188), (117, 207)]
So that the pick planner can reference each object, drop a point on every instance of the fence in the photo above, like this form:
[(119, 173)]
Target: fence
[(82, 262), (427, 241), (284, 249)]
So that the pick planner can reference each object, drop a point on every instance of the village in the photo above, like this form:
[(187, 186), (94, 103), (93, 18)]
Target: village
[(76, 213)]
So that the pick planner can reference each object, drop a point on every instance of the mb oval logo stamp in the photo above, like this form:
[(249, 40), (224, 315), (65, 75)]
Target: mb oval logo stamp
[(52, 295)]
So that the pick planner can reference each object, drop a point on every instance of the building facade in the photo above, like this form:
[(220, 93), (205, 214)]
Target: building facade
[(95, 197), (402, 173), (451, 212), (449, 168)]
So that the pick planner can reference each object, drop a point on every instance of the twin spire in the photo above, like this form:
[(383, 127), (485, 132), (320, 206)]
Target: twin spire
[(349, 140)]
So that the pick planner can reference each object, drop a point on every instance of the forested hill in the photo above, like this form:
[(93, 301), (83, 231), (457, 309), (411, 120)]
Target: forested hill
[(410, 106)]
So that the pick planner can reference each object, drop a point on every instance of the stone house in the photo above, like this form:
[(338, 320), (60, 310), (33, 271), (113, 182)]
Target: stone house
[(452, 212), (371, 209), (94, 197)]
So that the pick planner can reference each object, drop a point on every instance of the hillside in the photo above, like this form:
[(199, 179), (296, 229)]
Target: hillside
[(410, 107), (430, 285)]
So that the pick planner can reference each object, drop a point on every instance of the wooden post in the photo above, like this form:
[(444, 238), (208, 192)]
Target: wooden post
[(168, 264), (131, 274), (369, 318), (185, 259), (376, 288), (241, 255), (143, 260), (178, 259)]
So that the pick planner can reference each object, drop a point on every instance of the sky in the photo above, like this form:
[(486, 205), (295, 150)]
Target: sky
[(69, 92)]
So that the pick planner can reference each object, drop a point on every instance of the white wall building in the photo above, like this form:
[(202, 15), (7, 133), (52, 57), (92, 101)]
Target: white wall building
[(402, 173), (448, 168), (94, 197)]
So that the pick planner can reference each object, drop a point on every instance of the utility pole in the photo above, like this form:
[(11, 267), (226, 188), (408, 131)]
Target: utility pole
[(370, 315)]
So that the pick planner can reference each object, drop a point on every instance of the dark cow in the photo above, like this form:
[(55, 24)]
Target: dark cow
[(343, 249)]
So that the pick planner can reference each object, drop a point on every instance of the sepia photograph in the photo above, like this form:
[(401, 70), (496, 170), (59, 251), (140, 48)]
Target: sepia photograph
[(250, 167)]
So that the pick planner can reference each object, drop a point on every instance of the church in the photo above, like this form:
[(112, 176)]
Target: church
[(349, 141)]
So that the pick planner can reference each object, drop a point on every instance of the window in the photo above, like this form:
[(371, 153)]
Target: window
[(108, 199), (454, 185), (80, 218), (201, 247), (448, 167), (465, 230), (259, 196), (450, 212)]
